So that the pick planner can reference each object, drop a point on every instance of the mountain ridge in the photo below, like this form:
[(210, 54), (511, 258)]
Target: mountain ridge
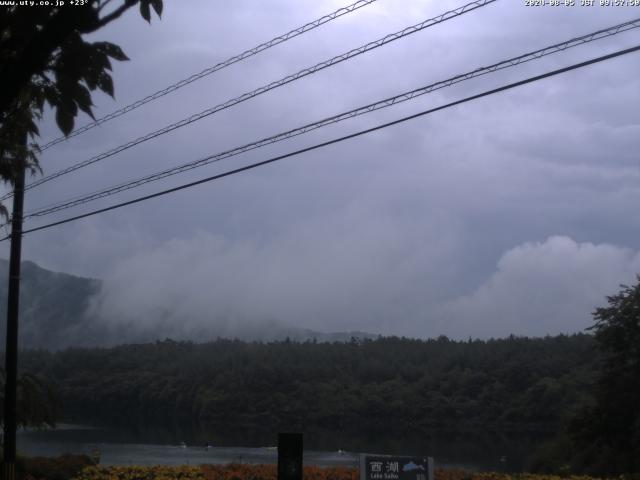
[(55, 313)]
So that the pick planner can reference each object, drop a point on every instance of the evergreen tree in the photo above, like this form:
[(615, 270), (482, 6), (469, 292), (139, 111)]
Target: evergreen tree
[(608, 433)]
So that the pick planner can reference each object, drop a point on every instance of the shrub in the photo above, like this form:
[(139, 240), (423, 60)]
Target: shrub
[(52, 468)]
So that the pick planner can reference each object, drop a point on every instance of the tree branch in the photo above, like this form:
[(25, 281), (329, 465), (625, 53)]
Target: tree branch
[(116, 13)]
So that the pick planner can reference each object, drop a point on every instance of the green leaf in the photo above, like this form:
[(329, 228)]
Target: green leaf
[(100, 60), (70, 106), (33, 129), (52, 96), (83, 99), (145, 11), (39, 101), (105, 83), (91, 79), (112, 50), (64, 119), (157, 6)]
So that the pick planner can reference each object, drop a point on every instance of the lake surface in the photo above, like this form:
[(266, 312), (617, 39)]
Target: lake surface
[(119, 447)]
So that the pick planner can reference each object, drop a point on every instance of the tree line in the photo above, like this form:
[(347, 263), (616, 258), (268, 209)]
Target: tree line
[(582, 390), (388, 384)]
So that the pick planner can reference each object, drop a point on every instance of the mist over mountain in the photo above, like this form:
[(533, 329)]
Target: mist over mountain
[(58, 310), (52, 307)]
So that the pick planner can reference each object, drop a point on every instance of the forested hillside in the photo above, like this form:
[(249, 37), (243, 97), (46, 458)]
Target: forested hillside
[(52, 307), (389, 384)]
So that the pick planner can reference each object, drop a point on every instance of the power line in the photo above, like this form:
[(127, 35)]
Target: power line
[(337, 140), (219, 66), (266, 88), (537, 54)]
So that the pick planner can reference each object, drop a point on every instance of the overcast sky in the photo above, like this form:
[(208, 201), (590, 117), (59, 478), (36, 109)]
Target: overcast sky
[(513, 214)]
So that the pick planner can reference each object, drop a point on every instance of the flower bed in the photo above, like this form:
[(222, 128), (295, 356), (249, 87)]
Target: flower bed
[(77, 468)]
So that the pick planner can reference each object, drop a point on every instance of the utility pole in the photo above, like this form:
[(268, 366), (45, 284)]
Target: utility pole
[(11, 350)]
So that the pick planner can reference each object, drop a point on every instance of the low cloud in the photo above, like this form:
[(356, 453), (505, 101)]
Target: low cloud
[(365, 278), (351, 272), (543, 288)]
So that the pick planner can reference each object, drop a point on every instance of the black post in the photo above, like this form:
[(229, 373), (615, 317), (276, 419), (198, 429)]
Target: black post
[(289, 456), (11, 353)]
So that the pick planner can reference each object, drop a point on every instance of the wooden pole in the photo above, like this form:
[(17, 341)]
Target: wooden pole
[(11, 351)]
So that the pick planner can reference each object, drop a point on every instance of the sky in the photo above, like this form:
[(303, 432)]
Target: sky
[(513, 214)]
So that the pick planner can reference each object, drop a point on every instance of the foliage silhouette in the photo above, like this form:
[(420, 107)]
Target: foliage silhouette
[(44, 59), (607, 433)]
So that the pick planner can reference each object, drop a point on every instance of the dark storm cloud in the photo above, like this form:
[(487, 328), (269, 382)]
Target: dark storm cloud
[(441, 225)]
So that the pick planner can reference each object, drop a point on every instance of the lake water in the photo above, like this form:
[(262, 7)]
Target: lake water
[(119, 447), (78, 439)]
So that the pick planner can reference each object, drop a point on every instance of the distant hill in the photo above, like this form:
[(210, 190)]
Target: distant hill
[(54, 306)]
